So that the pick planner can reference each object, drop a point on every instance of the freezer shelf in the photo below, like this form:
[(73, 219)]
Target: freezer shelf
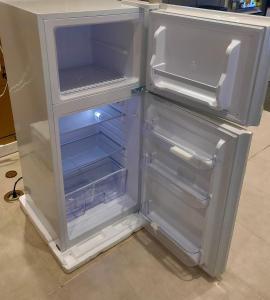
[(84, 77), (87, 151), (87, 118), (98, 183)]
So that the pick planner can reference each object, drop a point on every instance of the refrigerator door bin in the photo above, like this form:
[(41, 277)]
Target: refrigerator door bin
[(213, 90), (182, 223), (189, 194), (98, 183), (190, 155)]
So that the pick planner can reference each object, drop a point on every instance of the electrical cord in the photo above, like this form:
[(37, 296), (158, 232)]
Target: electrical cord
[(14, 193), (6, 86)]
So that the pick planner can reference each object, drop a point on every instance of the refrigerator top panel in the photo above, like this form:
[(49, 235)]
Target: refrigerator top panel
[(54, 8), (217, 64)]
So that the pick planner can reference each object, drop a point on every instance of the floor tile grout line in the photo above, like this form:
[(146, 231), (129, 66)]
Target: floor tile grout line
[(253, 233), (257, 153)]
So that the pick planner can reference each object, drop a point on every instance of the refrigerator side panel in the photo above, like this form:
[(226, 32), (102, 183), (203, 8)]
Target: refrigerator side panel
[(19, 31), (261, 84)]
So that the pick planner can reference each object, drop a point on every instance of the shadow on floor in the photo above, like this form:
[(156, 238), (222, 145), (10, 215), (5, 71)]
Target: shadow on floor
[(267, 100), (168, 260)]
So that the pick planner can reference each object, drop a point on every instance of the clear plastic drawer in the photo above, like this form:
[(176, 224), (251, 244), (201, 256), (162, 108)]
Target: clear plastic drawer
[(98, 183)]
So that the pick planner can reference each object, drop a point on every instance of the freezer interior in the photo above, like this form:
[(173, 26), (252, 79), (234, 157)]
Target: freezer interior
[(100, 161), (94, 54)]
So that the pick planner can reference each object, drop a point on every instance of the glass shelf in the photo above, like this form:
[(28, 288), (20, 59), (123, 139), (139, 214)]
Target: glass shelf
[(87, 118), (87, 151)]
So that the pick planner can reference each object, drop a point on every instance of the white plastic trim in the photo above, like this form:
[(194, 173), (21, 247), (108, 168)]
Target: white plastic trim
[(227, 79), (181, 153), (88, 249)]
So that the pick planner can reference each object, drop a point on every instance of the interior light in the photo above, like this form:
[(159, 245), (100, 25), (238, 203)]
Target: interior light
[(97, 115)]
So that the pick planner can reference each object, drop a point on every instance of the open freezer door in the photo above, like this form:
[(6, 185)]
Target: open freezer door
[(192, 175), (215, 62)]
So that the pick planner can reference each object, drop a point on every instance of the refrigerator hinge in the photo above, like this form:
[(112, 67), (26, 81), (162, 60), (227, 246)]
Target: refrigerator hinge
[(147, 159), (138, 90)]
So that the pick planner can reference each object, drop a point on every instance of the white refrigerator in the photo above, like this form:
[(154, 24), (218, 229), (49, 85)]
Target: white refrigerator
[(132, 115)]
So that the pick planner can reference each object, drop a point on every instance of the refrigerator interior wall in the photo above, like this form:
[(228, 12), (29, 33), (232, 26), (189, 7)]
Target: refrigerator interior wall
[(94, 54), (184, 174), (100, 161), (212, 64)]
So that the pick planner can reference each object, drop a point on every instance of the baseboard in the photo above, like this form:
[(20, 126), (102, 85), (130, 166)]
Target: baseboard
[(8, 149)]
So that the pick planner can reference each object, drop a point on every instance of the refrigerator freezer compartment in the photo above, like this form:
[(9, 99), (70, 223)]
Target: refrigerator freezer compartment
[(83, 119), (87, 151), (94, 54), (98, 183)]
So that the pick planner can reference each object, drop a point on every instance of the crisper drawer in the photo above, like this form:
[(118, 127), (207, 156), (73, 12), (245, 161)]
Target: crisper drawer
[(97, 183)]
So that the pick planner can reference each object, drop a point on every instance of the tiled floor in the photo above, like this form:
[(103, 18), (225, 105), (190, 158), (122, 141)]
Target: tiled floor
[(140, 268)]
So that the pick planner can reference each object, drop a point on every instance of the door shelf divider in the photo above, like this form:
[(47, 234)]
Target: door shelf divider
[(185, 154), (191, 196)]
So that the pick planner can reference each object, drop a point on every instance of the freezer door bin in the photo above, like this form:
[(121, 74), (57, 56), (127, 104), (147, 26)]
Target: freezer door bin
[(211, 62), (191, 182)]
